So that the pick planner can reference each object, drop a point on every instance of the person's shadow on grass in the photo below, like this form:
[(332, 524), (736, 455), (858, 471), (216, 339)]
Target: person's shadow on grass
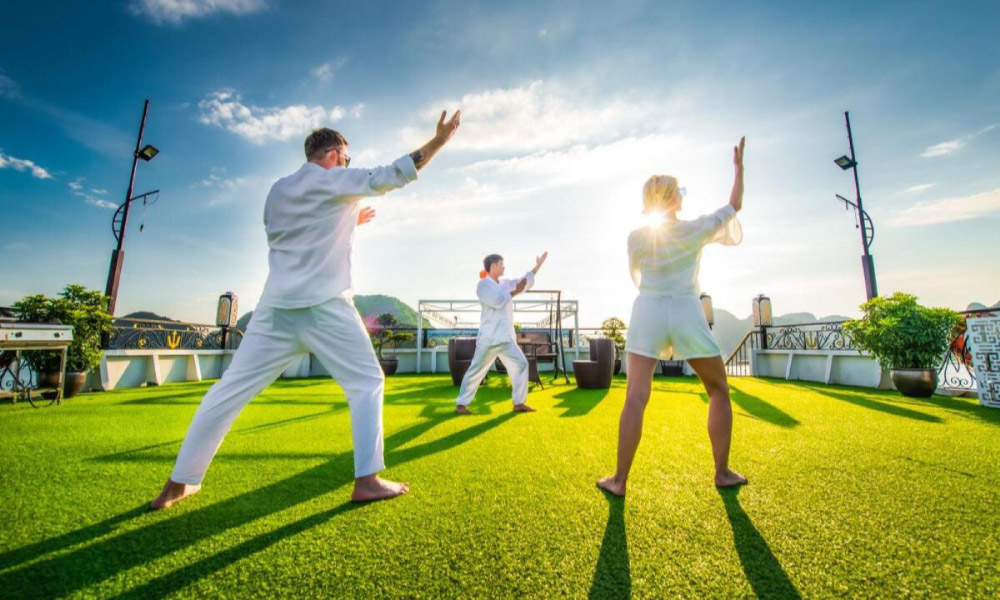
[(613, 575), (578, 402), (765, 574), (77, 569)]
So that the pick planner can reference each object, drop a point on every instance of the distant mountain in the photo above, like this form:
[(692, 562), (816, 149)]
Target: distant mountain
[(376, 304), (160, 321), (369, 306), (981, 306), (147, 315), (243, 321)]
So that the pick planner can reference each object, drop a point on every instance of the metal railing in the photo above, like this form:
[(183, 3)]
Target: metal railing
[(819, 336), (154, 334), (955, 373)]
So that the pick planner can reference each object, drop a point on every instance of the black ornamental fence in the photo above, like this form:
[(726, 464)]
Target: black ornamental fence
[(955, 372), (152, 334)]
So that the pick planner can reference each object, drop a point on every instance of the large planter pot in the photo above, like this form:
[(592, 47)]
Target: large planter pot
[(389, 365), (914, 383), (74, 383), (618, 366)]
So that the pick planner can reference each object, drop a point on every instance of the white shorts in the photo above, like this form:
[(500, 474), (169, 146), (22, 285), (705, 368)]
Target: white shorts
[(670, 327)]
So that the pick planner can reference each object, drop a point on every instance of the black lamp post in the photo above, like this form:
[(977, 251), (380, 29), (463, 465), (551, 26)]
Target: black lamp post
[(864, 221), (120, 219)]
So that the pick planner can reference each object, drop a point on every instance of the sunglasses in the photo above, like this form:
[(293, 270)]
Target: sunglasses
[(347, 159)]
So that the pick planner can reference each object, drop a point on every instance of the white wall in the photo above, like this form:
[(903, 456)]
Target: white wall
[(845, 367)]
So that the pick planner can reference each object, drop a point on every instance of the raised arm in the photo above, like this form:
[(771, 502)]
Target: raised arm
[(736, 196), (494, 296), (444, 132), (539, 261)]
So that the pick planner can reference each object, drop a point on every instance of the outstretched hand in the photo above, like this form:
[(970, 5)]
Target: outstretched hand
[(366, 215), (738, 153), (446, 129), (539, 260)]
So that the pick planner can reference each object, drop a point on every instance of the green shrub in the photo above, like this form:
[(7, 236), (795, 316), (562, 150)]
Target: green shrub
[(901, 334), (612, 329), (85, 310), (384, 335)]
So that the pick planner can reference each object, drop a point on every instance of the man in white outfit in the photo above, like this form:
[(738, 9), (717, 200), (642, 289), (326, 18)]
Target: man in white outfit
[(496, 336), (310, 217)]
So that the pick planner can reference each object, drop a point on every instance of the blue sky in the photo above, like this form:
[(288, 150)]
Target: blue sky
[(567, 108)]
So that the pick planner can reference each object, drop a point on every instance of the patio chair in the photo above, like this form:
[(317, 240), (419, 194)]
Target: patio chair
[(533, 375), (460, 351), (596, 373), (539, 349)]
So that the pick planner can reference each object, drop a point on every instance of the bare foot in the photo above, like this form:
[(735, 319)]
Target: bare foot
[(173, 493), (523, 408), (729, 478), (612, 486), (461, 409), (373, 487)]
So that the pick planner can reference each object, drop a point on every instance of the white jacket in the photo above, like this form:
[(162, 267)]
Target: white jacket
[(310, 217), (497, 322)]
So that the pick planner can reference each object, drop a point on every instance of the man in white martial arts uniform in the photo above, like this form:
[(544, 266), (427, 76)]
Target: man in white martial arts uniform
[(496, 334), (310, 217)]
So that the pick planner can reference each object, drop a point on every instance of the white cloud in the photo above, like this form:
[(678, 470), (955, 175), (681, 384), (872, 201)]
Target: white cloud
[(99, 202), (216, 182), (326, 71), (953, 146), (918, 188), (949, 209), (260, 124), (21, 164), (8, 87), (944, 148), (77, 186), (442, 212), (537, 116), (630, 159), (175, 11)]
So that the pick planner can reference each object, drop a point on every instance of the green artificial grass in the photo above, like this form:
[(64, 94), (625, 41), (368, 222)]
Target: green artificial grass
[(853, 493)]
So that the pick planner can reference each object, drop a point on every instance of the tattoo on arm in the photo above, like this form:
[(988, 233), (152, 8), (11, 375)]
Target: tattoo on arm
[(418, 158)]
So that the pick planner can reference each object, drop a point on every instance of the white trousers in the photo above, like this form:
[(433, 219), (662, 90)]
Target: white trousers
[(511, 356), (334, 332)]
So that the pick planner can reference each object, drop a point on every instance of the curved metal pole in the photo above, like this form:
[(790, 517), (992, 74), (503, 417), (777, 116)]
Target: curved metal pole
[(118, 255), (867, 262)]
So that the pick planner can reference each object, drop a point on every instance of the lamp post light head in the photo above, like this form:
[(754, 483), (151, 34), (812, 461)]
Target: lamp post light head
[(227, 312), (762, 311), (845, 162), (706, 307), (147, 153)]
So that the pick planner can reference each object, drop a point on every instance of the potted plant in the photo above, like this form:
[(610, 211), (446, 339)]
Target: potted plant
[(612, 329), (907, 338), (86, 311), (384, 334)]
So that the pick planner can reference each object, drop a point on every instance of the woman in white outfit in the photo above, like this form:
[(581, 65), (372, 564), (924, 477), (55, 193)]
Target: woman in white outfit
[(667, 318)]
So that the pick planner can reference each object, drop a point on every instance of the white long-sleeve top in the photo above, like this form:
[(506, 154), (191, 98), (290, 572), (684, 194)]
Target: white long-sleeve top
[(664, 260), (310, 217), (497, 322)]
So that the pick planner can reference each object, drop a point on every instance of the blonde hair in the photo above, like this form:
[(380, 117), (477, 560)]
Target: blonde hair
[(660, 194)]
